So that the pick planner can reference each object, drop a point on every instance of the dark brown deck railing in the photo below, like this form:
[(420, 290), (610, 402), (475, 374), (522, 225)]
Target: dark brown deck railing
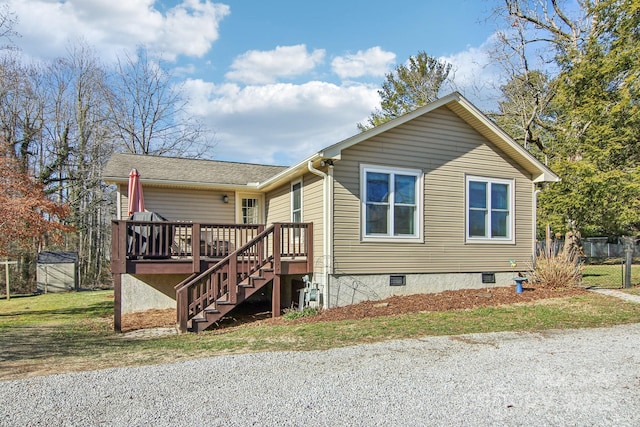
[(139, 240), (220, 282)]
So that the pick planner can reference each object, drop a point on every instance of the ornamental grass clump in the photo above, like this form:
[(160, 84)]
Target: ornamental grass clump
[(561, 270)]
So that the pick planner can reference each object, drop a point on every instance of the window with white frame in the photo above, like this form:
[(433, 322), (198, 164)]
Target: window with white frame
[(250, 210), (296, 201), (391, 202), (489, 209)]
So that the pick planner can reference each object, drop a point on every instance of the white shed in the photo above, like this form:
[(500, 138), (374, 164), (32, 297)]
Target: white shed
[(57, 271)]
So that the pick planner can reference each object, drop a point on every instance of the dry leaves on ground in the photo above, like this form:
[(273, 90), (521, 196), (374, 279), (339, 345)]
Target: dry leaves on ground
[(447, 300)]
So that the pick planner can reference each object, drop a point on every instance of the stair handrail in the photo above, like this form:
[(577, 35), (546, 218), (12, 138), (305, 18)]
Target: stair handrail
[(182, 295), (221, 262)]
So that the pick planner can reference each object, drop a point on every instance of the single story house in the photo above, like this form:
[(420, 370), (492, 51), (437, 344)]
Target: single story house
[(440, 198)]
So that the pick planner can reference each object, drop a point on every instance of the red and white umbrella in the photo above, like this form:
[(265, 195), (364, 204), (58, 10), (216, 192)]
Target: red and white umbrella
[(136, 201)]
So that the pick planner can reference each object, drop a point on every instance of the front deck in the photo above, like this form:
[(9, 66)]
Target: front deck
[(225, 263)]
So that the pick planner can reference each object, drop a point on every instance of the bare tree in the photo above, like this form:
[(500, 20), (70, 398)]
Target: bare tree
[(149, 114), (527, 93), (21, 107), (543, 38), (7, 21), (78, 145)]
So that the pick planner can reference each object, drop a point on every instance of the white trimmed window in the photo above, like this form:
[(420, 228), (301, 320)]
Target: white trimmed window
[(489, 209), (296, 201), (391, 203), (249, 208)]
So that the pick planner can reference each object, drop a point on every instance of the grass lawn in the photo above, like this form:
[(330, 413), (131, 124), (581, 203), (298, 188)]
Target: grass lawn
[(54, 333), (608, 276)]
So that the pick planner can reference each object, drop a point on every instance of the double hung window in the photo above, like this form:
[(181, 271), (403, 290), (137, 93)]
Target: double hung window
[(391, 202), (296, 201), (489, 209)]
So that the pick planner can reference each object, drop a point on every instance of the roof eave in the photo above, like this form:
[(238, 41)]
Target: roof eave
[(290, 173), (182, 184), (539, 171)]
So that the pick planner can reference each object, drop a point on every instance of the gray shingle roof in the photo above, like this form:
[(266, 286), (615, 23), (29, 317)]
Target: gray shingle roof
[(52, 257), (178, 170)]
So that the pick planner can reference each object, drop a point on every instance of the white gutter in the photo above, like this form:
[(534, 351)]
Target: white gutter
[(326, 239)]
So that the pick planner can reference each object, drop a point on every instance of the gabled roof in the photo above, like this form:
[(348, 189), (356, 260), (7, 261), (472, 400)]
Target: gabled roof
[(174, 171), (463, 109), (171, 171)]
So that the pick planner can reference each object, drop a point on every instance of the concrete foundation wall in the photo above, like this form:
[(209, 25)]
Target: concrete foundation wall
[(146, 292), (351, 289)]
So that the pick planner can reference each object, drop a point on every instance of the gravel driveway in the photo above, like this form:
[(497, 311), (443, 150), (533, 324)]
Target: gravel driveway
[(570, 377)]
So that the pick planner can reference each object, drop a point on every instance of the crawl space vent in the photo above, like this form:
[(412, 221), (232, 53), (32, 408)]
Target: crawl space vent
[(398, 280), (488, 277)]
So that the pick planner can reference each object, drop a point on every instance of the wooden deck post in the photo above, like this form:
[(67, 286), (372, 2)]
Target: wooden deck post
[(117, 302), (182, 308), (309, 247), (195, 247), (232, 279), (275, 297), (277, 269)]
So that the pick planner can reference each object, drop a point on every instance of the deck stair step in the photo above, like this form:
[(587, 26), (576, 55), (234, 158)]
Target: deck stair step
[(207, 296), (223, 305)]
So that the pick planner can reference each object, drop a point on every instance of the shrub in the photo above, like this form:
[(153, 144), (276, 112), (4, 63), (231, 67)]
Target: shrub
[(557, 270)]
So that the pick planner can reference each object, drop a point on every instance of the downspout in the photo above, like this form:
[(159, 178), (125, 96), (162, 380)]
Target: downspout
[(534, 215), (329, 257), (325, 227)]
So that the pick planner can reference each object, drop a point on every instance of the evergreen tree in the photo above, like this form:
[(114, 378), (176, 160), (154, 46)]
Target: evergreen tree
[(409, 87)]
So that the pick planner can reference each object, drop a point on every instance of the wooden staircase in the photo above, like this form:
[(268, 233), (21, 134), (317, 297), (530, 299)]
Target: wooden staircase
[(204, 298), (222, 306)]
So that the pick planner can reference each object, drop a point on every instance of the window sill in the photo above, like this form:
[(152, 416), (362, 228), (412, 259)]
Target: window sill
[(489, 241), (391, 239)]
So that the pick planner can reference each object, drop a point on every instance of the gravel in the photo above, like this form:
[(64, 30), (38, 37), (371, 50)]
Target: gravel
[(569, 377)]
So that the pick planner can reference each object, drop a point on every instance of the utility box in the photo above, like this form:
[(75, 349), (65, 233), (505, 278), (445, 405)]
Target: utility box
[(57, 271)]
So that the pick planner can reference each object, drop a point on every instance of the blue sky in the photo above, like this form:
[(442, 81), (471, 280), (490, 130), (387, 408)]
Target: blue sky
[(275, 80)]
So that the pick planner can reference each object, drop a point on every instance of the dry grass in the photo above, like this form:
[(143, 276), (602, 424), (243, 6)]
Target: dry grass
[(557, 271)]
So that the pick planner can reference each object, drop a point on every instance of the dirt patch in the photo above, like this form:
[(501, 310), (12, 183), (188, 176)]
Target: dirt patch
[(149, 319), (443, 301)]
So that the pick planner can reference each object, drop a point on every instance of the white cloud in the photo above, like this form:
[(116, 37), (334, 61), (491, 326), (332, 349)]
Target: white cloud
[(279, 123), (475, 75), (46, 27), (263, 67), (371, 62)]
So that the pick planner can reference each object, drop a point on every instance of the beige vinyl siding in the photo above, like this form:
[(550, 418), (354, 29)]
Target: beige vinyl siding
[(278, 203), (279, 208), (186, 205), (446, 149), (312, 206)]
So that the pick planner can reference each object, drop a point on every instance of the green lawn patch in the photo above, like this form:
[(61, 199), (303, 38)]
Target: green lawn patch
[(67, 332)]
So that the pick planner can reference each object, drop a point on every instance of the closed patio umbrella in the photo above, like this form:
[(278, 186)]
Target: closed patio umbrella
[(136, 201)]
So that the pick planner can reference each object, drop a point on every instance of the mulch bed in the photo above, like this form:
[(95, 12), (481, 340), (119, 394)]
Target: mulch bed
[(443, 301)]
